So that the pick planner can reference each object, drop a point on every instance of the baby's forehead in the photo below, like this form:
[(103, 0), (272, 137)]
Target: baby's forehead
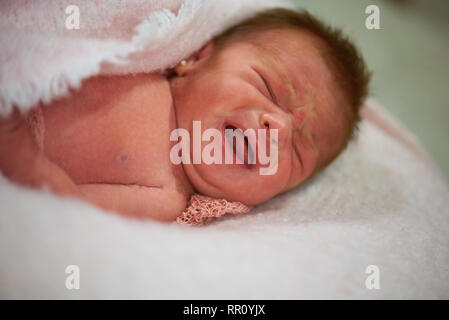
[(285, 39)]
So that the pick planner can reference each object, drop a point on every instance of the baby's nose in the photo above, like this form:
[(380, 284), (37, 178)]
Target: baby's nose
[(277, 122)]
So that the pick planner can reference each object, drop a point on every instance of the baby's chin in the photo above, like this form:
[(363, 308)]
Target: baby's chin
[(231, 182)]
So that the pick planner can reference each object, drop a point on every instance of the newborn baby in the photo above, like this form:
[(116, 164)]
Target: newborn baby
[(109, 142)]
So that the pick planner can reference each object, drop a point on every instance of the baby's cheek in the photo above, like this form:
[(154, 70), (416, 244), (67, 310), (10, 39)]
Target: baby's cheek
[(276, 182), (298, 117)]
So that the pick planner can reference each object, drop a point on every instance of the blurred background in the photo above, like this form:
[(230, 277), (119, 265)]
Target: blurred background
[(409, 59)]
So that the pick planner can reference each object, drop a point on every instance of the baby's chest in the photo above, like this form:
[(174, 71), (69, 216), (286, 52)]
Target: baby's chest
[(126, 142)]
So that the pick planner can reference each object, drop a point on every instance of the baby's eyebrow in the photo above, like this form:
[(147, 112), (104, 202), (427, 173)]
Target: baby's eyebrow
[(291, 93), (310, 137), (289, 90)]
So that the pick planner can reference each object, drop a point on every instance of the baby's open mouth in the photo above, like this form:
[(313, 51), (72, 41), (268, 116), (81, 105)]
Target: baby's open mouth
[(247, 157)]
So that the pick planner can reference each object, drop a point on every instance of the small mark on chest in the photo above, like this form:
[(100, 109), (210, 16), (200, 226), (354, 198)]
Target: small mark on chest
[(123, 157)]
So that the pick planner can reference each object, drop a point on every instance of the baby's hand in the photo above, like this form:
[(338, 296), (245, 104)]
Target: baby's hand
[(10, 124), (22, 161), (15, 137), (18, 150)]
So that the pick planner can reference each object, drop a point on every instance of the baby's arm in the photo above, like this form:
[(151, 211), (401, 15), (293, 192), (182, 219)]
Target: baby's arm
[(23, 162), (163, 203)]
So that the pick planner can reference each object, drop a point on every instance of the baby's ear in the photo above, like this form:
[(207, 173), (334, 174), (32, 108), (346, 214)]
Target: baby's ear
[(206, 51), (187, 65)]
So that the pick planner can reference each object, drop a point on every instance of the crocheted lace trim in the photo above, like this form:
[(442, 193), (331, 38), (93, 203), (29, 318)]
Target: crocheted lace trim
[(201, 209)]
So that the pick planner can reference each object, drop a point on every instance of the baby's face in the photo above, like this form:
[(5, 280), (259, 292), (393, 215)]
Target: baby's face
[(284, 85)]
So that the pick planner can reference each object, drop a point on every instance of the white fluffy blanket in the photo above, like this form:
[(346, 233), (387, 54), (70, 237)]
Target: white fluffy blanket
[(40, 58), (381, 203)]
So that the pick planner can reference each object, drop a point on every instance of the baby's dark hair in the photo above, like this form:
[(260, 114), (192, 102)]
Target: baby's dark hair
[(338, 52)]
